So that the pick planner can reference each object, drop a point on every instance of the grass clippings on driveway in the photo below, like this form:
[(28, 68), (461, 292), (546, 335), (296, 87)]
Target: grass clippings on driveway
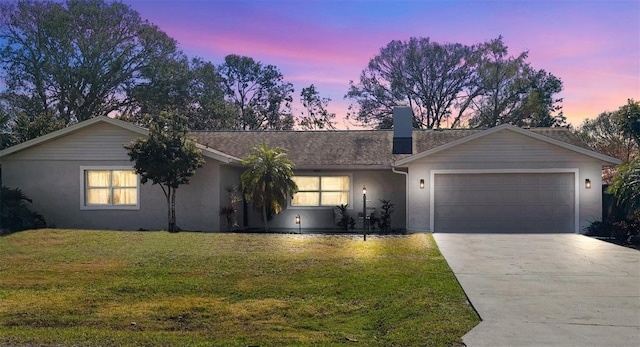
[(103, 288)]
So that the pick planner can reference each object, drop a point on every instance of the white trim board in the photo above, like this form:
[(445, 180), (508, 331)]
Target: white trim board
[(576, 188)]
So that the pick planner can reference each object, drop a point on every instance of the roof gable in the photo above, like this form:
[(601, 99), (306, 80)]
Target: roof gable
[(529, 133), (206, 151)]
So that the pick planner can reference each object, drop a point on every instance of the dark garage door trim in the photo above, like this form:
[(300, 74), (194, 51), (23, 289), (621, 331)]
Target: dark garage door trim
[(433, 173)]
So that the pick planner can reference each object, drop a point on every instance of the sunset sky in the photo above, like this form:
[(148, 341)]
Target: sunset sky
[(592, 46)]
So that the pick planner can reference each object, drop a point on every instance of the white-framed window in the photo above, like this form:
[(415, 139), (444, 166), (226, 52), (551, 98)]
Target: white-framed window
[(107, 187), (322, 190)]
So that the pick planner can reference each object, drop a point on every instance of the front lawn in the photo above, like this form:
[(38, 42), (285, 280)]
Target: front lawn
[(107, 288)]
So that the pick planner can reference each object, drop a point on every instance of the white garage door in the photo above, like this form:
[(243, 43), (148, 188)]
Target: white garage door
[(504, 202)]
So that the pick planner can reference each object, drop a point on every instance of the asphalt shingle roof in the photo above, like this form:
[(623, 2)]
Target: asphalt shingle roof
[(345, 148)]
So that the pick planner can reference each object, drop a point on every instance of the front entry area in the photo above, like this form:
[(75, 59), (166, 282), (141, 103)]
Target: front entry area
[(518, 202)]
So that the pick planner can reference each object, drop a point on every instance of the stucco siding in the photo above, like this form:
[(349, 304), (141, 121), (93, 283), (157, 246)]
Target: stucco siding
[(55, 188), (230, 177), (197, 203), (381, 184)]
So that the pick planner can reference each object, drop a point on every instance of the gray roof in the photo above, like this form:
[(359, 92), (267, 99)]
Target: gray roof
[(346, 148)]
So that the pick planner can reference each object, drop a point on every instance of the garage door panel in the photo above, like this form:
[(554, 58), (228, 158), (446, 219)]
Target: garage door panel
[(513, 202)]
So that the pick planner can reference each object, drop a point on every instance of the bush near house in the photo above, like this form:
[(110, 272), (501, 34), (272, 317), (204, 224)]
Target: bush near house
[(616, 225), (15, 214), (344, 221), (620, 209)]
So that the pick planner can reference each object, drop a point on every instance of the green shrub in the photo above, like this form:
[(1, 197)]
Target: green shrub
[(15, 214), (345, 222), (623, 231), (384, 222)]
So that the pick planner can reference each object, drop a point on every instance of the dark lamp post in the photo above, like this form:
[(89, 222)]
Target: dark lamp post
[(364, 212)]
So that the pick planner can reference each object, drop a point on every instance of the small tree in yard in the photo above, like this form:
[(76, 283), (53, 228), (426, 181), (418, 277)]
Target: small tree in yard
[(267, 182), (167, 158)]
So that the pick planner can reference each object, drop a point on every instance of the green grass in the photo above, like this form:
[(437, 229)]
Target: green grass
[(90, 288)]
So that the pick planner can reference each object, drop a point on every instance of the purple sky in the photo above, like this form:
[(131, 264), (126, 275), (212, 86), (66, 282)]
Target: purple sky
[(592, 46)]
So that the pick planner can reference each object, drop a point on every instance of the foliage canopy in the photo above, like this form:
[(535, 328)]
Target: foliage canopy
[(267, 182), (75, 60), (451, 83), (166, 157)]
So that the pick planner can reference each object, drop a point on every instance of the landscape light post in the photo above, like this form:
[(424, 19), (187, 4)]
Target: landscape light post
[(364, 211), (299, 224)]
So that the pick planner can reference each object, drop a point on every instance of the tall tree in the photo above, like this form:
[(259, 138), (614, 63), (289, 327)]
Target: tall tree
[(454, 84), (267, 182), (426, 75), (317, 116), (24, 128), (78, 59), (192, 88), (258, 92), (6, 137), (510, 91), (629, 118), (167, 157), (605, 135)]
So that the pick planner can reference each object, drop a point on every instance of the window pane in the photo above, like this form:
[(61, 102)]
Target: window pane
[(306, 199), (335, 198), (98, 196), (307, 182), (98, 179), (124, 178), (335, 183), (124, 196)]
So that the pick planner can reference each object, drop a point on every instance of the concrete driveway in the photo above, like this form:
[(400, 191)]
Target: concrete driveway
[(547, 289)]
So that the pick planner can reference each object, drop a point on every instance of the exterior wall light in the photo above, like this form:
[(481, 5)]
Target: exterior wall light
[(422, 183), (587, 183)]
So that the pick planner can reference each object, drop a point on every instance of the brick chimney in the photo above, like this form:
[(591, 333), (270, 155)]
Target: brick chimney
[(402, 129)]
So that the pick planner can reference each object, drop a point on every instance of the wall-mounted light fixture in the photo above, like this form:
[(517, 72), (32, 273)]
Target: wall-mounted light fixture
[(299, 224), (587, 183), (422, 183)]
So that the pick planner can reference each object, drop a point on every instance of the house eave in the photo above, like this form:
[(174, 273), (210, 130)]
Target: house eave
[(339, 167), (217, 155)]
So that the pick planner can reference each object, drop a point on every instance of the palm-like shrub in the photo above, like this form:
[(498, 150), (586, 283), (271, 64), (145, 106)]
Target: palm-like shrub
[(267, 182), (626, 185)]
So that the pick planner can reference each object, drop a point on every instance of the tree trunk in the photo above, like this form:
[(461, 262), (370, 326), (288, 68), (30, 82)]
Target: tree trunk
[(172, 211), (167, 194)]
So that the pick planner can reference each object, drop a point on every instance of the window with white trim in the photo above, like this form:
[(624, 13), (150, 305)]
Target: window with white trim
[(321, 191), (109, 188)]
